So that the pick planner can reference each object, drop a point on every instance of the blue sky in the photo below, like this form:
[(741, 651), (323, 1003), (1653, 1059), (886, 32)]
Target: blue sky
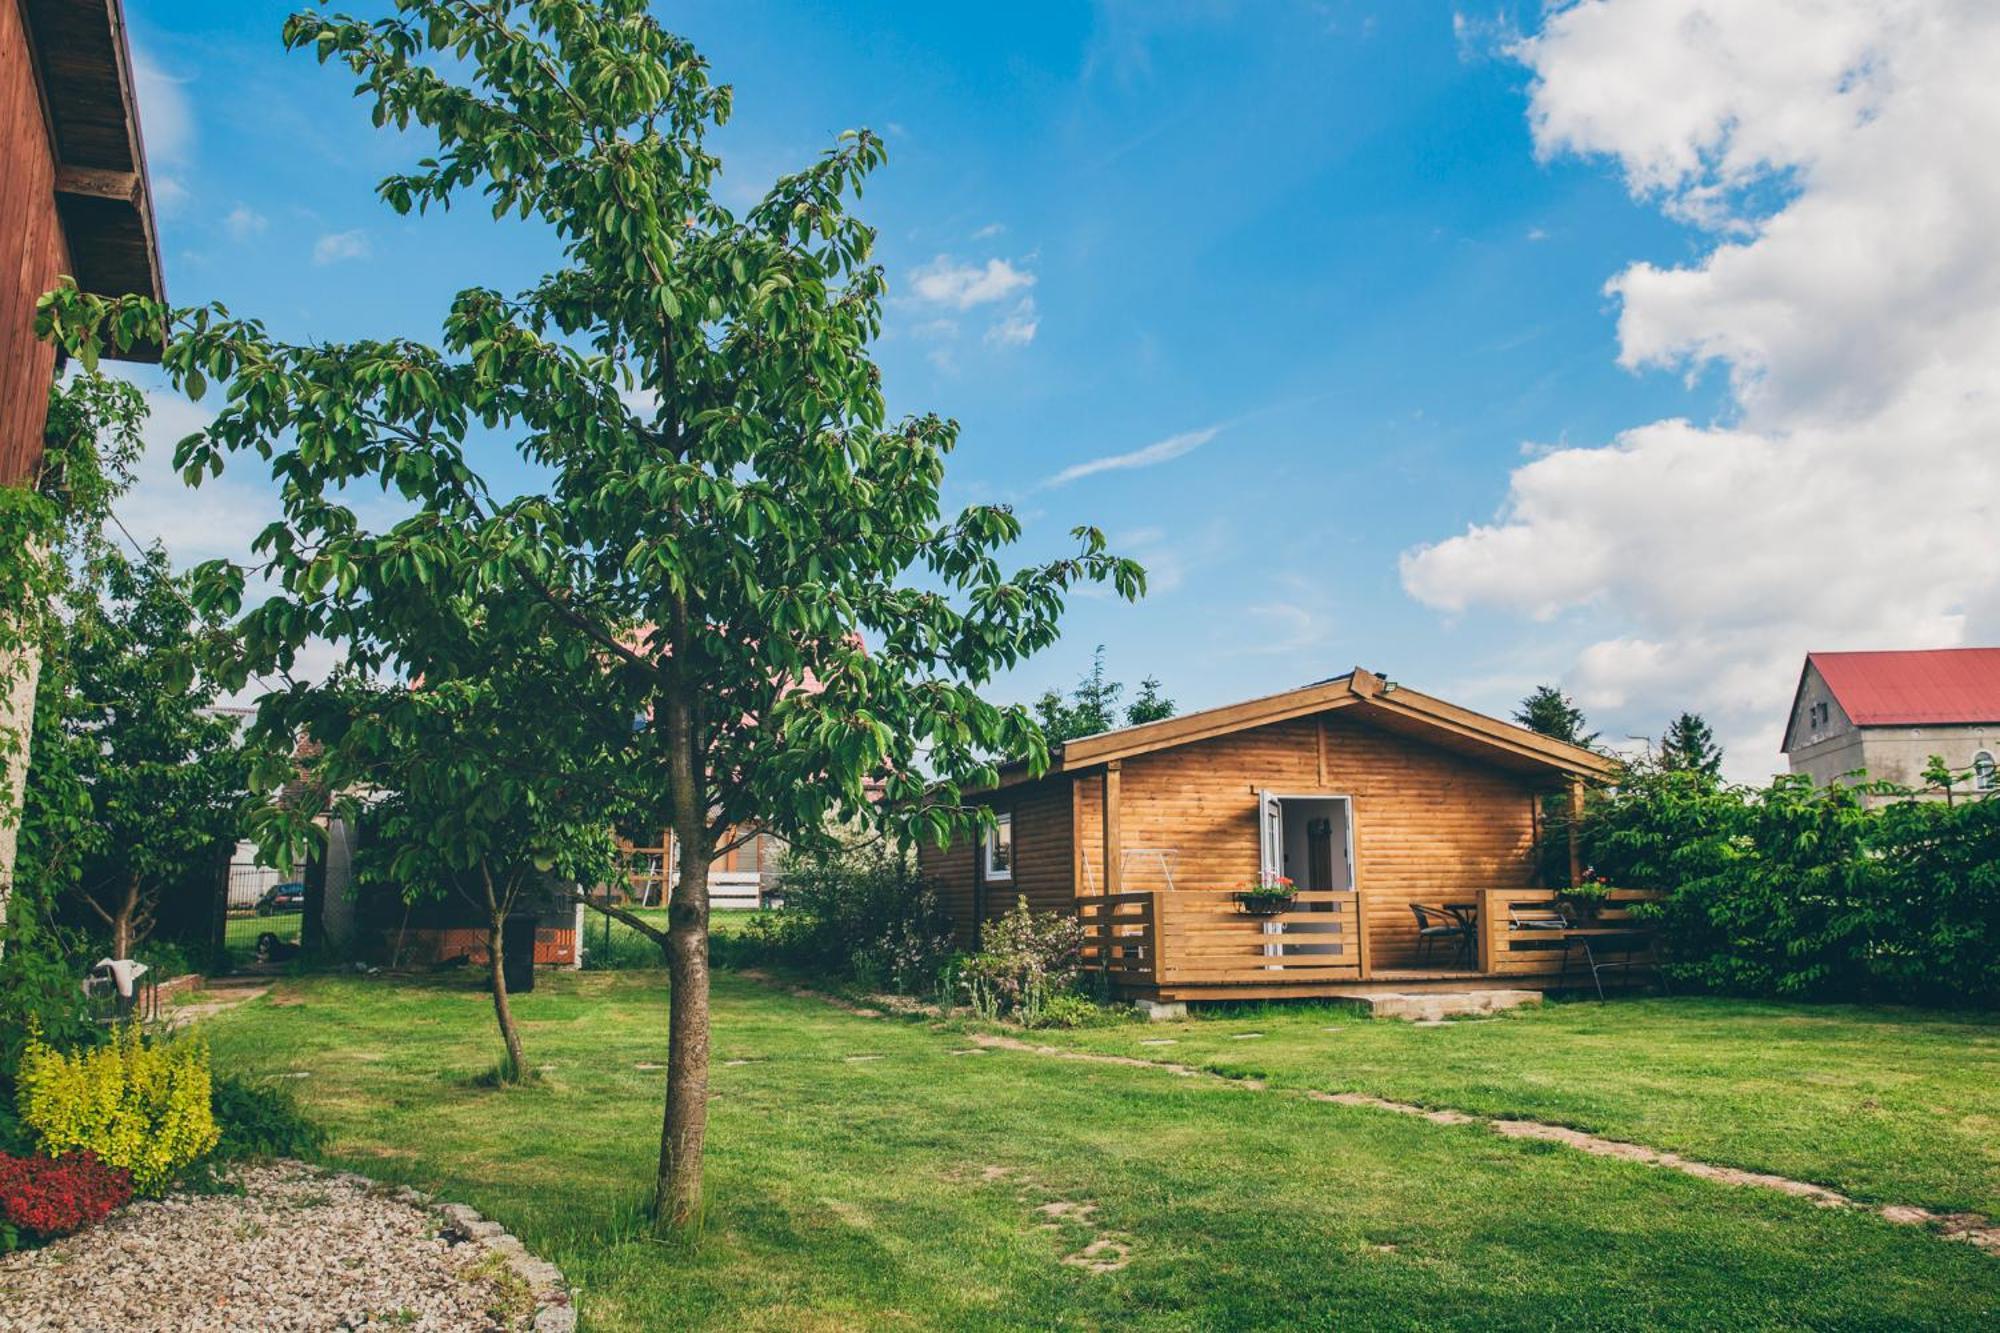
[(1298, 268)]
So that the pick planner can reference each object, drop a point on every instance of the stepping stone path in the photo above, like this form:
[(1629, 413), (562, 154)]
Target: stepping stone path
[(1973, 1228), (1104, 1252)]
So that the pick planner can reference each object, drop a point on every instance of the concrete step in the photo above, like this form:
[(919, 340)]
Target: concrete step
[(1436, 1006)]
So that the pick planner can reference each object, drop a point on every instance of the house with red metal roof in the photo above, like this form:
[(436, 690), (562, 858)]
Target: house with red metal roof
[(1885, 714)]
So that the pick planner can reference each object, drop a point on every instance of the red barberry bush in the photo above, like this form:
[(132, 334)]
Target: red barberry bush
[(46, 1197)]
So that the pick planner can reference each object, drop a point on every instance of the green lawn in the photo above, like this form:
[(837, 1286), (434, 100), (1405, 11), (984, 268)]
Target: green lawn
[(625, 947), (1892, 1105), (851, 1192)]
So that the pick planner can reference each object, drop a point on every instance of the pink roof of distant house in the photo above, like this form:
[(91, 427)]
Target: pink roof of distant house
[(1917, 688)]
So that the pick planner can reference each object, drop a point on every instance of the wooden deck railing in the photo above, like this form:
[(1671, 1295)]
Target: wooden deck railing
[(1159, 938), (1190, 937), (1508, 948)]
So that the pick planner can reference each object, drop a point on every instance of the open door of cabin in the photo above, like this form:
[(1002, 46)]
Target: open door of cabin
[(1308, 839)]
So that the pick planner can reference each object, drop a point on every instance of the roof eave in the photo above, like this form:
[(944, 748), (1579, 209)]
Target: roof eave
[(104, 196)]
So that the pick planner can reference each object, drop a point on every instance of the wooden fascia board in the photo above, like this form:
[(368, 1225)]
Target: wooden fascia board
[(1091, 751), (1476, 726)]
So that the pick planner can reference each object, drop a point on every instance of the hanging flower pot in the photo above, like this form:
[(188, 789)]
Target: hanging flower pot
[(1267, 897)]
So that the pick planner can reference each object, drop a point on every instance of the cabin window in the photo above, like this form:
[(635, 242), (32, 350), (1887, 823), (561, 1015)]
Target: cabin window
[(1984, 777), (1000, 848)]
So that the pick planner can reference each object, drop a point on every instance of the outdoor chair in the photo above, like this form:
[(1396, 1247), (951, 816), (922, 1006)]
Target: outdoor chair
[(1528, 918), (1435, 924), (1620, 951)]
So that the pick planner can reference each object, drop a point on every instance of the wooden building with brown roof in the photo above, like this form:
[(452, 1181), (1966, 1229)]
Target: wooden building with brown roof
[(1368, 796)]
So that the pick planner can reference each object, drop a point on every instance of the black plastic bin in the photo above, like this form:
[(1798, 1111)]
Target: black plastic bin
[(517, 944)]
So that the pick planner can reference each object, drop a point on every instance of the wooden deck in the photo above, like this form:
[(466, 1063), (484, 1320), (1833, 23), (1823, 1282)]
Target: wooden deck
[(1198, 945)]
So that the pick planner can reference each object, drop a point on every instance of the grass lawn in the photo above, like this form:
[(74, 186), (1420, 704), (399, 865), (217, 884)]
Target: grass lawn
[(1892, 1105), (625, 947), (849, 1182)]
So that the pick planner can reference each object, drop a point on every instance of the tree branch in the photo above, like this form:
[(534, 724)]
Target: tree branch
[(616, 913)]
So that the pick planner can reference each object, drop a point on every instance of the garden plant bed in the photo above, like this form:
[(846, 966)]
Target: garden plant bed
[(299, 1249)]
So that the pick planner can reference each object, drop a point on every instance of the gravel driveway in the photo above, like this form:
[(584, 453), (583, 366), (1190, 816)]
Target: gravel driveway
[(299, 1249)]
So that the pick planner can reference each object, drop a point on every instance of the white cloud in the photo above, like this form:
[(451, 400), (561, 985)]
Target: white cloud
[(244, 222), (1291, 627), (166, 119), (338, 245), (1838, 152), (945, 281), (1017, 327), (170, 197), (1160, 451), (218, 519), (989, 231)]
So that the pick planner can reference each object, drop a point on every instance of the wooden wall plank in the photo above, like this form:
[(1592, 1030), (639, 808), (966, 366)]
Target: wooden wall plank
[(32, 254)]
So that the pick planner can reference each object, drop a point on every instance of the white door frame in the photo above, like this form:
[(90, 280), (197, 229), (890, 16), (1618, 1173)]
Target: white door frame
[(1271, 859)]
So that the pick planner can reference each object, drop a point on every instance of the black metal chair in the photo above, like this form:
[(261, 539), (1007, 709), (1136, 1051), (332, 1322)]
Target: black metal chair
[(1628, 944), (1435, 924)]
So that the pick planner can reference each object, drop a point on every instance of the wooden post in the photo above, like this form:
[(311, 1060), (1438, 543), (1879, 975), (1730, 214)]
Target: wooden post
[(1114, 836), (1076, 837), (1537, 857), (1575, 832), (1362, 952), (1319, 729), (1489, 929)]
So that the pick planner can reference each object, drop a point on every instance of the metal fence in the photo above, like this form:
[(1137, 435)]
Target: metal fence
[(249, 880)]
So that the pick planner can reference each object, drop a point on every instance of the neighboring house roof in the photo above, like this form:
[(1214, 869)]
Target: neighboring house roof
[(1379, 702), (84, 66), (1916, 688)]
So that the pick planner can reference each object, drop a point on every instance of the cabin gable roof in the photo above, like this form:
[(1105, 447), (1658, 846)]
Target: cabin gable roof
[(1371, 699)]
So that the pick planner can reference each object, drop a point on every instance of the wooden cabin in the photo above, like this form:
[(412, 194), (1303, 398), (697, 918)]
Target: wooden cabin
[(1367, 795)]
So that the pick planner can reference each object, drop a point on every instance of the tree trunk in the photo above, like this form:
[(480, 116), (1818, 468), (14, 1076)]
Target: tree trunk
[(514, 1065), (677, 1200), (677, 1192), (122, 922)]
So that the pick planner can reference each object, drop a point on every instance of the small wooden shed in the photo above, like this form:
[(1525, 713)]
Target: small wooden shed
[(1368, 795)]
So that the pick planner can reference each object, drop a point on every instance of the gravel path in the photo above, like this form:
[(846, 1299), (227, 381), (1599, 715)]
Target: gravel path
[(300, 1249)]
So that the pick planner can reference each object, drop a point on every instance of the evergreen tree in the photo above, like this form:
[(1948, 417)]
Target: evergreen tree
[(1151, 705), (1552, 713), (1688, 746), (1092, 707)]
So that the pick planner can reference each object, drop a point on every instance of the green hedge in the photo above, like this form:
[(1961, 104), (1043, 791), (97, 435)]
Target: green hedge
[(1791, 891)]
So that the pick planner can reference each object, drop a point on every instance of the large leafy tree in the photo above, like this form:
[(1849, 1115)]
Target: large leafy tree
[(731, 528), (52, 544), (134, 781), (162, 776), (484, 781)]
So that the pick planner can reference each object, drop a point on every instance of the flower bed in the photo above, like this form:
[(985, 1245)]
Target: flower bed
[(45, 1197)]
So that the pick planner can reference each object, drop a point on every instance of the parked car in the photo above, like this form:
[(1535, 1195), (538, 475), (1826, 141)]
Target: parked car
[(282, 898)]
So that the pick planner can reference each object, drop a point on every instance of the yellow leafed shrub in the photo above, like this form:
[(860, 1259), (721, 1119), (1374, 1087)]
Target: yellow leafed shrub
[(143, 1104)]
